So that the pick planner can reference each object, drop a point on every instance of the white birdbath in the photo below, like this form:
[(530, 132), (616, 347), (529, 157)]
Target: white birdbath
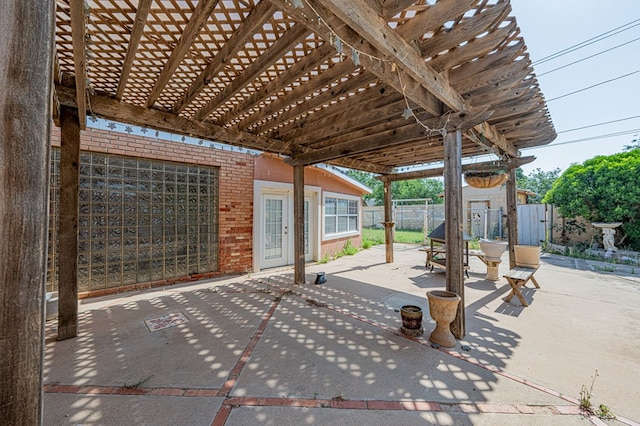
[(493, 251), (608, 233)]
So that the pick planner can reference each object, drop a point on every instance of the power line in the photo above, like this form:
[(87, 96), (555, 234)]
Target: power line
[(588, 42), (606, 136), (588, 57), (599, 124), (595, 85)]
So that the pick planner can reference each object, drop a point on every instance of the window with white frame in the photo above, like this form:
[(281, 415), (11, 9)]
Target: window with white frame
[(341, 214)]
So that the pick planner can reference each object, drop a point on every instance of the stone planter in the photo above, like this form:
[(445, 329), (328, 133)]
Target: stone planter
[(443, 306), (411, 320), (527, 256)]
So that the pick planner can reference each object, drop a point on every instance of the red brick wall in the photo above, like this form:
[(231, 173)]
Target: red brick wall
[(236, 184)]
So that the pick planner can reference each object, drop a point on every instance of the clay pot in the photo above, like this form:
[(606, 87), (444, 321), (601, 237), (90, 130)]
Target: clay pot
[(411, 320), (527, 256), (443, 306)]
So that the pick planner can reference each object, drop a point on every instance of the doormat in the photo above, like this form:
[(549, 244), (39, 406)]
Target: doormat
[(166, 321)]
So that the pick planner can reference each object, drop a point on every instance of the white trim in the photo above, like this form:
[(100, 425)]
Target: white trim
[(341, 175), (338, 195)]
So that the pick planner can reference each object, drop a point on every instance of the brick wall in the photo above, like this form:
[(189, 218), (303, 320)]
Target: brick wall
[(236, 184)]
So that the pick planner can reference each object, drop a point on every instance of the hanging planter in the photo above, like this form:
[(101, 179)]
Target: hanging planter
[(488, 179)]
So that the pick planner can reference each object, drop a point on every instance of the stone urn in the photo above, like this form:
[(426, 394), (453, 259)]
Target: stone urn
[(443, 306), (527, 256)]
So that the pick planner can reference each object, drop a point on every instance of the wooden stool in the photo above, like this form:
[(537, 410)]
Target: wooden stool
[(517, 278)]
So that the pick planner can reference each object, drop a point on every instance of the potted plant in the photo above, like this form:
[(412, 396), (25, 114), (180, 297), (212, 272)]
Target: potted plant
[(485, 179)]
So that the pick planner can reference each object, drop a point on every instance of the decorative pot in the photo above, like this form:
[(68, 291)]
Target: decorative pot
[(443, 306), (527, 256), (411, 320)]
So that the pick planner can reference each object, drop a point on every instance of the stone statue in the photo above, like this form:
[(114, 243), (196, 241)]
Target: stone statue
[(608, 238)]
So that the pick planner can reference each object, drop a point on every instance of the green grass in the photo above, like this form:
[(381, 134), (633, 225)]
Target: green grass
[(372, 237), (376, 236)]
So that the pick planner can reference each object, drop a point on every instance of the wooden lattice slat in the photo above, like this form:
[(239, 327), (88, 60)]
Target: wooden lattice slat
[(305, 95)]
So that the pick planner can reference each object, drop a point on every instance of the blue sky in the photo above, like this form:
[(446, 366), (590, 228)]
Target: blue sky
[(549, 26)]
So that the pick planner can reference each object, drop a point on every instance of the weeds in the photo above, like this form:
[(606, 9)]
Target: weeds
[(586, 406), (137, 384), (604, 268)]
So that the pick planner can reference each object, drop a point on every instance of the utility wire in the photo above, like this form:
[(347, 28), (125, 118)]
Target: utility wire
[(588, 57), (591, 87), (606, 136), (599, 124), (588, 42)]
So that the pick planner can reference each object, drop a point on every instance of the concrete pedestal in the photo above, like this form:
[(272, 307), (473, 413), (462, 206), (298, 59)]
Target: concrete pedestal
[(492, 269)]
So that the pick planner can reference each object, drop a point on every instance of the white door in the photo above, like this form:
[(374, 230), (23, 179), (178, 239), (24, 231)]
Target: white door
[(275, 241), (276, 224), (309, 239)]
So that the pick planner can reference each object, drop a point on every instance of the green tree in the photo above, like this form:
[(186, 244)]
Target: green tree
[(635, 143), (602, 189), (400, 190), (537, 181), (369, 180)]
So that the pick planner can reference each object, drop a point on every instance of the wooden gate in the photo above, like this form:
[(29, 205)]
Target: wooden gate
[(531, 224)]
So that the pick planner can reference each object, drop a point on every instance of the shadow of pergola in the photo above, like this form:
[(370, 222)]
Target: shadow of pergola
[(265, 338)]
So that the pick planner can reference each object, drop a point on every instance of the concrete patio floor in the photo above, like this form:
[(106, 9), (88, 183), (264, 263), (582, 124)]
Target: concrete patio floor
[(255, 349)]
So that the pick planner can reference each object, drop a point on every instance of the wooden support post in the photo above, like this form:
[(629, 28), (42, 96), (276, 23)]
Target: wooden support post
[(512, 216), (298, 224), (454, 225), (388, 221), (26, 52), (68, 224)]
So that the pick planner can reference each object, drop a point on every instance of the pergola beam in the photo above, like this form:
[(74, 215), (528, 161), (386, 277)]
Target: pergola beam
[(415, 80), (359, 16), (189, 33), (258, 16), (466, 31), (78, 34), (272, 55), (109, 108), (396, 136), (341, 89), (139, 22), (439, 171)]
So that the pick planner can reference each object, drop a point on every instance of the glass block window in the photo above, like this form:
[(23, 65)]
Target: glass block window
[(139, 220), (341, 215), (54, 202)]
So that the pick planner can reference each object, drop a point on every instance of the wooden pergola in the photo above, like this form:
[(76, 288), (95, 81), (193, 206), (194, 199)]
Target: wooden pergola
[(372, 85)]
